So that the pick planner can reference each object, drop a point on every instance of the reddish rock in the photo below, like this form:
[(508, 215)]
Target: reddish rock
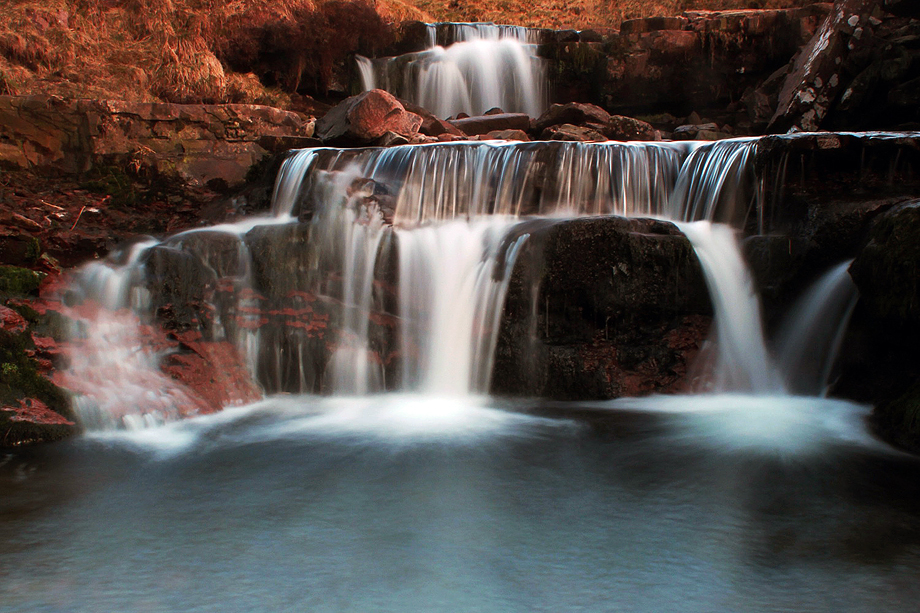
[(651, 24), (34, 411), (568, 132), (575, 113), (197, 142), (483, 124), (508, 135), (11, 321), (364, 118), (213, 371)]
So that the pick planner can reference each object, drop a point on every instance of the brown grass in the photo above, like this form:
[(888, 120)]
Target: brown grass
[(254, 51), (578, 14)]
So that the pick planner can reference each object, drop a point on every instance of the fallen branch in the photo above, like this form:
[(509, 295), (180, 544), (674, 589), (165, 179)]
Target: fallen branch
[(79, 215)]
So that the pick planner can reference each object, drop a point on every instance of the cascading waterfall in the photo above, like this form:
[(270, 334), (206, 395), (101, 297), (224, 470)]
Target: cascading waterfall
[(481, 66), (810, 337), (387, 268)]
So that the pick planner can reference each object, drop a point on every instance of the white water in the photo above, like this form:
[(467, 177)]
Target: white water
[(454, 206), (810, 338), (742, 362), (452, 288), (486, 68)]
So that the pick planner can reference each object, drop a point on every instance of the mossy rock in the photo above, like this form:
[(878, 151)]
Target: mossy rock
[(18, 281), (20, 379)]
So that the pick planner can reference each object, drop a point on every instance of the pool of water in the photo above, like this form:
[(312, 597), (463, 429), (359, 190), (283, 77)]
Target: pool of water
[(424, 504)]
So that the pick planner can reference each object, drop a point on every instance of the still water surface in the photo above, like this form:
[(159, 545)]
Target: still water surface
[(416, 504)]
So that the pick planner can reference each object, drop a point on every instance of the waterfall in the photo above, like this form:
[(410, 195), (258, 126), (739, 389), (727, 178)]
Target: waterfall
[(810, 336), (386, 269), (481, 66), (742, 362)]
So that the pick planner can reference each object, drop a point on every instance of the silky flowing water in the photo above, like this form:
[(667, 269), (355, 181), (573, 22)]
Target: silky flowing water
[(331, 495)]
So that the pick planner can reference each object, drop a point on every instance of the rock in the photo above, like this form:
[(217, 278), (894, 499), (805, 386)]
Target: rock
[(474, 126), (194, 143), (903, 8), (575, 113), (568, 132), (362, 119), (622, 310), (651, 24), (629, 129), (816, 78), (431, 124), (703, 60), (11, 321), (392, 139), (508, 135), (887, 270)]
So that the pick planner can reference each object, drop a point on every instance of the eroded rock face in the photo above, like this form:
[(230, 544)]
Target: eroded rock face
[(196, 143), (365, 118), (601, 308)]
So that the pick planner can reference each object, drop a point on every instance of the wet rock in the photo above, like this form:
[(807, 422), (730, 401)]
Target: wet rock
[(364, 118), (575, 113), (519, 135), (887, 270), (474, 126), (621, 308), (568, 132), (431, 124), (628, 129)]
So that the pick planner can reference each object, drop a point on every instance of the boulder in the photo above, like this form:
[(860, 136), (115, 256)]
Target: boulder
[(622, 309), (362, 119), (508, 135), (575, 113), (629, 129), (568, 132), (483, 124)]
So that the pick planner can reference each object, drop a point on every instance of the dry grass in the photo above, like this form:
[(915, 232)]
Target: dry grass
[(578, 14), (208, 50)]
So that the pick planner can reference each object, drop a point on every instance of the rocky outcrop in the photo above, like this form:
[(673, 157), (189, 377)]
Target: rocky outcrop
[(601, 308), (196, 144), (816, 77)]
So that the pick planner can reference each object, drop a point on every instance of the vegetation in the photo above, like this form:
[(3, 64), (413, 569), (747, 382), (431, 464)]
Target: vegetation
[(249, 51)]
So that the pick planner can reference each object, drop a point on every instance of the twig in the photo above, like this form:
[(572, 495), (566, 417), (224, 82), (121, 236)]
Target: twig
[(79, 215), (53, 206)]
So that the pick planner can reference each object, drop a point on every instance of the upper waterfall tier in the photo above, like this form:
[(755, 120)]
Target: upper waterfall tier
[(418, 185), (467, 68)]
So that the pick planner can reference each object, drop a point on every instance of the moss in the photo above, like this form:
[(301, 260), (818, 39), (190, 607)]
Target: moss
[(19, 281), (112, 180)]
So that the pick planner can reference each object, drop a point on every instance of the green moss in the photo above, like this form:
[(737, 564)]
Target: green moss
[(19, 281), (21, 379), (33, 249)]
